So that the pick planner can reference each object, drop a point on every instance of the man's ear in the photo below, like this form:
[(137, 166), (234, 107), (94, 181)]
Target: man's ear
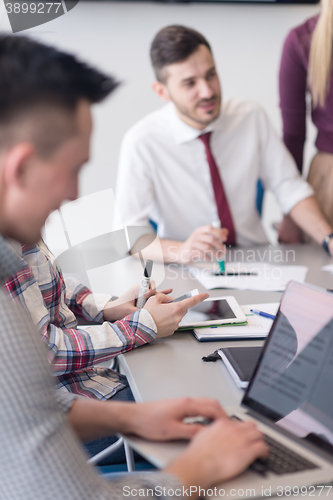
[(161, 90), (18, 164)]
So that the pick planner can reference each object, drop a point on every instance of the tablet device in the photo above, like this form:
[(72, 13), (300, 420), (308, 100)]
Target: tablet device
[(240, 363), (213, 311)]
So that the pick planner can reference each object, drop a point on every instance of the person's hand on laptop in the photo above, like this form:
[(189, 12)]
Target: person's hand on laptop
[(167, 315), (218, 453), (205, 243), (164, 420)]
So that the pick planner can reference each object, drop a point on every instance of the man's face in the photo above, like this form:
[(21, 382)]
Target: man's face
[(194, 87), (46, 183)]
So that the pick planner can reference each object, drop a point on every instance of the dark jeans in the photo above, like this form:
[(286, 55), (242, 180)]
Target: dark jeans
[(94, 447)]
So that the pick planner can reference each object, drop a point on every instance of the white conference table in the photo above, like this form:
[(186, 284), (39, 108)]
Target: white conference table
[(172, 367)]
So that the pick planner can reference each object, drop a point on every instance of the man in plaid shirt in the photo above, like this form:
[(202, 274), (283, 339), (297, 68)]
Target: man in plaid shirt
[(52, 301), (45, 127)]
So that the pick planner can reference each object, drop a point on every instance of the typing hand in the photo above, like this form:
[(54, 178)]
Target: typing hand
[(125, 305), (166, 315), (218, 453), (205, 243), (164, 420)]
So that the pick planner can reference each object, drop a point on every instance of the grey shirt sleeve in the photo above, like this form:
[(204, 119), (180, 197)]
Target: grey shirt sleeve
[(40, 455)]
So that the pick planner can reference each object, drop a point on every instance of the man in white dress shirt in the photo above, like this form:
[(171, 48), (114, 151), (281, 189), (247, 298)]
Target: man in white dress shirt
[(165, 173)]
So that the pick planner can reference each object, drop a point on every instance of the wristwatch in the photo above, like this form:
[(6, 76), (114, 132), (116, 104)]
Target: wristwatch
[(326, 242)]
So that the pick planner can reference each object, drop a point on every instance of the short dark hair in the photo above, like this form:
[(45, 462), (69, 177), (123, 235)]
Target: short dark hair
[(35, 77), (174, 44)]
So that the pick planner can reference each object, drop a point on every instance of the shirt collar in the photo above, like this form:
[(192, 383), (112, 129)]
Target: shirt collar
[(10, 261), (184, 133)]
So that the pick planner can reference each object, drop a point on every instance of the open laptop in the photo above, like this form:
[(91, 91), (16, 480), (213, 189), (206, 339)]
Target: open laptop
[(290, 396)]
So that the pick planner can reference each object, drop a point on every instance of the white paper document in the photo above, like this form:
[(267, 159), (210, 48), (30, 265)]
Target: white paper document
[(257, 326), (263, 276)]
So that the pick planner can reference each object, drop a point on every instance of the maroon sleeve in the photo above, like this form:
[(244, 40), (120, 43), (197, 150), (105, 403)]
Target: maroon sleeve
[(292, 87)]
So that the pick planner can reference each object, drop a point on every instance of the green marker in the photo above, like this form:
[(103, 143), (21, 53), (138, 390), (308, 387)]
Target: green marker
[(217, 225), (222, 266)]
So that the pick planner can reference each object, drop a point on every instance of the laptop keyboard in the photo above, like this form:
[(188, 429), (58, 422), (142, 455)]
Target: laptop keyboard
[(281, 460)]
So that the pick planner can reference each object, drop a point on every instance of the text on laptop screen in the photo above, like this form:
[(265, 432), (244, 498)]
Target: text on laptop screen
[(292, 384)]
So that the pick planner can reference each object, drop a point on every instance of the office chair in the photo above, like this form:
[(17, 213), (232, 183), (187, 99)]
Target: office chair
[(111, 449)]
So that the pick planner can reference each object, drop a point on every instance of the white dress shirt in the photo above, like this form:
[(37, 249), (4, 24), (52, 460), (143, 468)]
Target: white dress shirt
[(164, 175)]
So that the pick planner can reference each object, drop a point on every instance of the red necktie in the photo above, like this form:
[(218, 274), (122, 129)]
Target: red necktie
[(221, 200)]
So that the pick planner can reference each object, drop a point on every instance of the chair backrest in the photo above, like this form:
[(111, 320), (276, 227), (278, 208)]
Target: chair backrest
[(260, 196)]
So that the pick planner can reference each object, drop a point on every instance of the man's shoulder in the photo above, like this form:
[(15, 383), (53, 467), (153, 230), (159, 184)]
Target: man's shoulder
[(151, 125)]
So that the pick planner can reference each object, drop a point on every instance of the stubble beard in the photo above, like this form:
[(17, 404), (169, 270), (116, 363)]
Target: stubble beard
[(188, 113)]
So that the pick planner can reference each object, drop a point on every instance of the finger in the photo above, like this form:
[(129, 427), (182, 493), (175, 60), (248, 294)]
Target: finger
[(170, 299), (203, 254), (150, 293), (205, 407), (185, 304), (152, 285), (212, 242), (206, 251), (166, 291), (161, 298), (185, 431), (203, 229), (252, 451), (219, 234), (204, 246)]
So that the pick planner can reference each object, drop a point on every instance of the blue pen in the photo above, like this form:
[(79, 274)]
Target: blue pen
[(261, 313)]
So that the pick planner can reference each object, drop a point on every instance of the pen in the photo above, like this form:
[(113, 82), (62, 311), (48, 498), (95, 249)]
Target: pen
[(217, 225), (144, 287), (231, 273), (261, 313)]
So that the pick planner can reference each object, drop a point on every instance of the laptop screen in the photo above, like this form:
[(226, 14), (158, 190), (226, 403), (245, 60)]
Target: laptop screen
[(292, 384)]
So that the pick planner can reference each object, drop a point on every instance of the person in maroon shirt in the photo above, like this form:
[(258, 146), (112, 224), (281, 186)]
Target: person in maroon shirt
[(306, 68)]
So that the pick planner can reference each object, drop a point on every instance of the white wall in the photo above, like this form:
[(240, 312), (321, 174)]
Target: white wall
[(246, 40)]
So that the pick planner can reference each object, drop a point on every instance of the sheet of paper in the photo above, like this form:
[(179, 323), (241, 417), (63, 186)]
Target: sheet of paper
[(264, 276), (257, 326)]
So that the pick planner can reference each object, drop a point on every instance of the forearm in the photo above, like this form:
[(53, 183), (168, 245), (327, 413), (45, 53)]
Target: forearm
[(76, 349), (83, 302), (159, 250), (309, 217), (92, 419)]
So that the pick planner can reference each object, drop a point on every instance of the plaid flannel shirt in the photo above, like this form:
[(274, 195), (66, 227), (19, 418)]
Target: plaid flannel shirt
[(40, 287), (40, 455)]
